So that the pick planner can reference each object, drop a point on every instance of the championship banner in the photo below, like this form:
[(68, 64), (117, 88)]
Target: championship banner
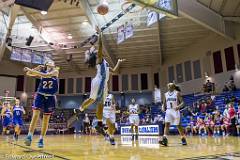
[(16, 56), (120, 34), (26, 57), (143, 130), (37, 59), (152, 18), (128, 30)]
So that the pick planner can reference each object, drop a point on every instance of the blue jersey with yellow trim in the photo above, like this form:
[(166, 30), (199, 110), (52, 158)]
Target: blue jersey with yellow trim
[(17, 112), (48, 86), (8, 113)]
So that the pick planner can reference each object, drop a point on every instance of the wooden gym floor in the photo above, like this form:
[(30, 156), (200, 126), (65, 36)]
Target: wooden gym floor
[(78, 147)]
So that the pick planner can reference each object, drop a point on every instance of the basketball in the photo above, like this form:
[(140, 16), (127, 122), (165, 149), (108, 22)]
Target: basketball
[(102, 9)]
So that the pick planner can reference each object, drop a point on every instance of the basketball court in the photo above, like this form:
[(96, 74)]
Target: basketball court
[(152, 43), (147, 148)]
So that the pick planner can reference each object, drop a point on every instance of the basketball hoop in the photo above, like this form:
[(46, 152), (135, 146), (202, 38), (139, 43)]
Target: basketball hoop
[(126, 4)]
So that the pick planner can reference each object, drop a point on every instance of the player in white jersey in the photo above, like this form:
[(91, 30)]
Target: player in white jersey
[(109, 117), (172, 102), (99, 84), (133, 110)]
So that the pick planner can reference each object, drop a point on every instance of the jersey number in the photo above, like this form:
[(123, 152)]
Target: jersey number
[(107, 103), (47, 84), (18, 113)]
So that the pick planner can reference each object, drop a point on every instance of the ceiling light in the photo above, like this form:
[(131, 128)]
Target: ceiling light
[(85, 22), (43, 12), (69, 37)]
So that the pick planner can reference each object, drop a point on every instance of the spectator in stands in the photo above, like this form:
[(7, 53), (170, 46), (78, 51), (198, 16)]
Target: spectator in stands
[(209, 124), (225, 126), (238, 121), (225, 87), (200, 126), (191, 127), (157, 96), (231, 84), (86, 124), (203, 106), (196, 107), (94, 124), (225, 112), (217, 123), (209, 86), (188, 112), (148, 119), (1, 127), (232, 119)]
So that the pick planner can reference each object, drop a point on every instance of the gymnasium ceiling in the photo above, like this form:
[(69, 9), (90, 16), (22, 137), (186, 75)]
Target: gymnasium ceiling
[(145, 48)]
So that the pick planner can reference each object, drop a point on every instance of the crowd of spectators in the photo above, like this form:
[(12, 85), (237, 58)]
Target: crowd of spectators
[(204, 118)]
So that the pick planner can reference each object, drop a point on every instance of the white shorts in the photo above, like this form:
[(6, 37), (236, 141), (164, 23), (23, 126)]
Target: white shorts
[(109, 115), (95, 87), (172, 116), (134, 119)]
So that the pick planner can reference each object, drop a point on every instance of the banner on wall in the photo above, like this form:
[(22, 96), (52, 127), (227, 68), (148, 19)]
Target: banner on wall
[(16, 56), (120, 34), (153, 17), (128, 30), (37, 59), (143, 130), (26, 57)]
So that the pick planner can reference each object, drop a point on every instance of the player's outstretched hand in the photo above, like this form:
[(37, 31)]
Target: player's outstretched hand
[(121, 60), (26, 69), (98, 30)]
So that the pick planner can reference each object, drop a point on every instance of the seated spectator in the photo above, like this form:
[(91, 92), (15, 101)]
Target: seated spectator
[(225, 87), (225, 126), (238, 121), (200, 126), (217, 123), (203, 106), (209, 86), (209, 124), (157, 95), (191, 127)]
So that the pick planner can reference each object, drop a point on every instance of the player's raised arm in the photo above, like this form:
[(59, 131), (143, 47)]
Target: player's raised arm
[(180, 101), (100, 47), (115, 69), (37, 73)]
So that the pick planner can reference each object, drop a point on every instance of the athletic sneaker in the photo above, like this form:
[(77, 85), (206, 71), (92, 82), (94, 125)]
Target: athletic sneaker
[(133, 137), (28, 140), (100, 130), (136, 137), (112, 141), (164, 141), (77, 112), (184, 141), (106, 137), (40, 143), (15, 136)]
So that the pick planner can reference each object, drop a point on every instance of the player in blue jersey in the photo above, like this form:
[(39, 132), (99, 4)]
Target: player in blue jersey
[(45, 98), (99, 84), (6, 115), (18, 112)]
